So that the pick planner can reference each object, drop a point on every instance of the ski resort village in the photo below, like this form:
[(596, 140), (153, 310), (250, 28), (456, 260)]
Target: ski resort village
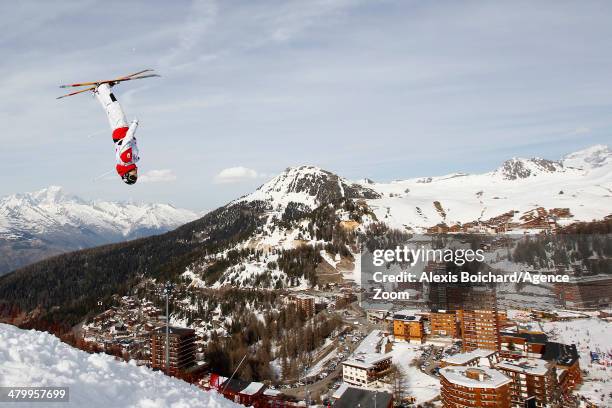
[(267, 301)]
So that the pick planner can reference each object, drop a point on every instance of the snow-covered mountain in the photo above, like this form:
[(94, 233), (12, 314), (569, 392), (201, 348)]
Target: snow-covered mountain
[(30, 358), (304, 227), (520, 195), (576, 188), (309, 186), (521, 188), (50, 221)]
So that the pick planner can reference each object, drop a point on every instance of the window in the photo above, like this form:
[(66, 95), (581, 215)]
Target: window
[(112, 96)]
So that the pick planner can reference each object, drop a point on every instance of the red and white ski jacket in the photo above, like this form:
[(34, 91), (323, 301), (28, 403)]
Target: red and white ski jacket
[(126, 149)]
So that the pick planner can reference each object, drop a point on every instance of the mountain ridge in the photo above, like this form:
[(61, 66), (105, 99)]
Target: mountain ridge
[(302, 228), (50, 221)]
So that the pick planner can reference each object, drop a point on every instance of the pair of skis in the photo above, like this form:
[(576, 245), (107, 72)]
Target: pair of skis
[(93, 85)]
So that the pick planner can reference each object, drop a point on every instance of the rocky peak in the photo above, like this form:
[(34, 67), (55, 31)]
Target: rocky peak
[(519, 168), (309, 185)]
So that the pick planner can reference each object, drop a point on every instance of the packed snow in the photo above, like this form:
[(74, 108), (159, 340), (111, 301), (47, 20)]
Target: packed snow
[(33, 358)]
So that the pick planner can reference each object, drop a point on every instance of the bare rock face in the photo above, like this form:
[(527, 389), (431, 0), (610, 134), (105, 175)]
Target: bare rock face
[(518, 168)]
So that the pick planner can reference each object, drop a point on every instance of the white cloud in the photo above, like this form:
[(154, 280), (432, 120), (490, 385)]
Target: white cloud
[(235, 175), (157, 176), (583, 130)]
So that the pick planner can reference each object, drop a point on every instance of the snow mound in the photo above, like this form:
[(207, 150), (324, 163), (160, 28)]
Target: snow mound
[(33, 358)]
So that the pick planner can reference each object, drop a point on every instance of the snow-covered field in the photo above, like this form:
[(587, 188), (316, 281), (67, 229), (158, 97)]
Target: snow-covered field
[(591, 334), (32, 358), (419, 385)]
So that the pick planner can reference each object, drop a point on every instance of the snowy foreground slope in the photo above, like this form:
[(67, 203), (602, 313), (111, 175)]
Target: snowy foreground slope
[(32, 358), (48, 222)]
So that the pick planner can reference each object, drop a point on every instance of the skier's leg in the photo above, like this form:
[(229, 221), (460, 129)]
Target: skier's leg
[(116, 117)]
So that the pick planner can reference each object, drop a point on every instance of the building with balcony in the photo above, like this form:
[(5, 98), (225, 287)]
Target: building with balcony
[(408, 326), (533, 382), (474, 387), (365, 369), (181, 349), (480, 320), (522, 344), (444, 323), (304, 303), (474, 358)]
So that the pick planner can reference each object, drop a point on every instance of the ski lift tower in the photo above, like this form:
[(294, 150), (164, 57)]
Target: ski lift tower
[(167, 291)]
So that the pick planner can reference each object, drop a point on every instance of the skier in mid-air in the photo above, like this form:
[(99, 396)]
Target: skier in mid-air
[(126, 149)]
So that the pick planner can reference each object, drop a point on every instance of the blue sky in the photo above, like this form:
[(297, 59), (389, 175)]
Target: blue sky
[(379, 89)]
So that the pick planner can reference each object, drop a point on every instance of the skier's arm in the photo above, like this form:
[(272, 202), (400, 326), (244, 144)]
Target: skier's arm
[(131, 131)]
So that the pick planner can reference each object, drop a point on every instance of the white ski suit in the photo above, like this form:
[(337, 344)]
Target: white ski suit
[(126, 149)]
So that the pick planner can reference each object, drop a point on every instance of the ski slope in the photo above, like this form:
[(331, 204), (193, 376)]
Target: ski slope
[(33, 358)]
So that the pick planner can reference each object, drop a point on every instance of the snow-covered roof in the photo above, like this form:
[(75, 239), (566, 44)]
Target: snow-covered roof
[(370, 343), (525, 366), (271, 392), (338, 393), (252, 389), (366, 360), (407, 315), (472, 377), (368, 352), (464, 358)]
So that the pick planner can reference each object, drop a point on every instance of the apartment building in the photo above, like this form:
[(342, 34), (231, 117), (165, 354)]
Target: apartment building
[(522, 344), (365, 369), (304, 303), (444, 323), (585, 292), (474, 387), (480, 322), (567, 362), (474, 358), (408, 326), (181, 349), (533, 382)]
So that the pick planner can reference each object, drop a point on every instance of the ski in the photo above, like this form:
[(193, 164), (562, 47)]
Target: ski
[(77, 92), (130, 76)]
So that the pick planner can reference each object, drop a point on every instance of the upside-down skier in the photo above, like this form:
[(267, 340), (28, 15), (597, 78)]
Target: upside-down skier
[(124, 134)]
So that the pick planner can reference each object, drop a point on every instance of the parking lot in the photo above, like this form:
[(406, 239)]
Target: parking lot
[(429, 361)]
